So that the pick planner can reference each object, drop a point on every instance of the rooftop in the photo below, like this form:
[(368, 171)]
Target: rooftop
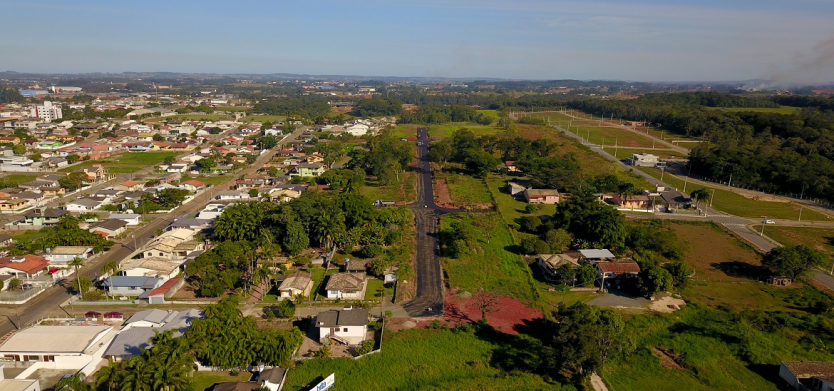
[(618, 267), (596, 253), (333, 318), (806, 369), (345, 282), (73, 339), (298, 281)]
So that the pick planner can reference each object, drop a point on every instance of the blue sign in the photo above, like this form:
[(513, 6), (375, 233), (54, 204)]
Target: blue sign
[(326, 383)]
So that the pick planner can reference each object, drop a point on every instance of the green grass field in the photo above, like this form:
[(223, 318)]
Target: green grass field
[(404, 191), (491, 114), (233, 108), (613, 135), (419, 359), (444, 131), (465, 189), (510, 208), (12, 180), (126, 162), (817, 238), (622, 153), (491, 266), (739, 205), (264, 118), (206, 380)]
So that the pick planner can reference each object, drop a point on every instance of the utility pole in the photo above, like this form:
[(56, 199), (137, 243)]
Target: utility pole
[(711, 198), (764, 222), (800, 213)]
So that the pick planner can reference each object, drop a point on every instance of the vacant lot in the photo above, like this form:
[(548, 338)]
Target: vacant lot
[(490, 264), (206, 380), (419, 359), (401, 192), (12, 180), (817, 238), (127, 162), (715, 254), (739, 205), (610, 135), (444, 131), (464, 190)]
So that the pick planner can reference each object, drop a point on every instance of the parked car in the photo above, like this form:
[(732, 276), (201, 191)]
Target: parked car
[(769, 222), (26, 287), (92, 314), (113, 315)]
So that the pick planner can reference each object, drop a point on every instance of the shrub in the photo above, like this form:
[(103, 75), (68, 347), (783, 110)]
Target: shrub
[(371, 251), (285, 309), (365, 348)]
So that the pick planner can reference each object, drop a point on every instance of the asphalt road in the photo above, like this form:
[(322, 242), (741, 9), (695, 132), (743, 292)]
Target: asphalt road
[(49, 303), (429, 298), (740, 226)]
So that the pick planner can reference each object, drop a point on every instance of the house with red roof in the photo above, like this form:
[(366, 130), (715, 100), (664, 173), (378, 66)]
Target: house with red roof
[(608, 270), (26, 266), (192, 185)]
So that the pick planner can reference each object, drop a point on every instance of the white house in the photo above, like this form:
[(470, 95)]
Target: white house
[(61, 255), (82, 205), (346, 286), (357, 130), (272, 378), (131, 286), (348, 325), (151, 267), (130, 219), (59, 347)]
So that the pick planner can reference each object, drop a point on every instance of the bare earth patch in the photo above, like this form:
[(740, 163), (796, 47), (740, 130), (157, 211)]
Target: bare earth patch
[(442, 198), (668, 359), (509, 317), (667, 304)]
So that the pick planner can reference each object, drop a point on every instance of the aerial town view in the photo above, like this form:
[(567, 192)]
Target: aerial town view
[(457, 195)]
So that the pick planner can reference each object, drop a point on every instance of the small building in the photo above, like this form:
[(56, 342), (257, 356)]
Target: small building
[(58, 347), (131, 286), (296, 284), (356, 266), (550, 263), (644, 160), (632, 201), (607, 270), (109, 228), (595, 254), (672, 200), (349, 325), (346, 286), (17, 384), (272, 378), (541, 196), (808, 375), (308, 170), (151, 267), (26, 266), (61, 255), (131, 219), (82, 205), (516, 188), (6, 240)]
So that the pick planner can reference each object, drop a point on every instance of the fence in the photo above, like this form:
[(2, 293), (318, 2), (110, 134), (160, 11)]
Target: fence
[(22, 296)]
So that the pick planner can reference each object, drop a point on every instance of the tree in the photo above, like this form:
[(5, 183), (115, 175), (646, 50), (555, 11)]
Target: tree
[(14, 283), (558, 240), (76, 263), (110, 375), (73, 181), (794, 261), (169, 160), (36, 157), (699, 195), (152, 182), (253, 193), (19, 149), (206, 164), (73, 158), (654, 279), (486, 302), (680, 273), (110, 269), (295, 238), (72, 383), (440, 152), (284, 309)]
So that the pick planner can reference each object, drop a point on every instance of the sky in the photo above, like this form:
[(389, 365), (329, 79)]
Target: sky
[(647, 40)]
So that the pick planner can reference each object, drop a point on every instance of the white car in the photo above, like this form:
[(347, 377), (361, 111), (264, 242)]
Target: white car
[(769, 222)]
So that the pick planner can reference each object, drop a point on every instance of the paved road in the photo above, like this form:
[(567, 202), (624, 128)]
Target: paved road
[(49, 302), (740, 226), (429, 299)]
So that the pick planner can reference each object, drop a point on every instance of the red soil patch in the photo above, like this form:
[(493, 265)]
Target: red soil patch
[(508, 318), (442, 198)]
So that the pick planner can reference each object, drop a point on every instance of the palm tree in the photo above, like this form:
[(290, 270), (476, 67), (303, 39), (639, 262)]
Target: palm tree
[(699, 195), (111, 268), (77, 263), (72, 383), (111, 375)]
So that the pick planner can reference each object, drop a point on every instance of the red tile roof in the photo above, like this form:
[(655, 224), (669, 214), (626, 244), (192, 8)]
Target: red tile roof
[(164, 288), (194, 183), (618, 267), (29, 264)]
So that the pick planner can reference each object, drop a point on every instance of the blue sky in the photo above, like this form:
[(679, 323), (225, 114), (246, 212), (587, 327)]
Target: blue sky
[(525, 39)]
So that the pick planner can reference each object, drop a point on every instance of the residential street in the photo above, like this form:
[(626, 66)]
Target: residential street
[(49, 302)]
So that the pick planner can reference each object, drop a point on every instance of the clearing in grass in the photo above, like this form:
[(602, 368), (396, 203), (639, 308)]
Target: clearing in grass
[(817, 238), (465, 190), (739, 205), (402, 192), (127, 162), (206, 380)]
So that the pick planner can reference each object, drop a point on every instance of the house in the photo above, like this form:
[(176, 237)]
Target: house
[(606, 269), (109, 194), (128, 186), (550, 263), (296, 284), (6, 240), (131, 219), (160, 319), (96, 172), (232, 195), (191, 224), (272, 378), (61, 255), (631, 201), (26, 266), (83, 205), (308, 170), (18, 385), (356, 266), (131, 286), (595, 255), (516, 188), (110, 228), (42, 216), (151, 267), (511, 167), (808, 375), (348, 325), (192, 185), (236, 386), (143, 326), (13, 205), (672, 200), (346, 286), (644, 160), (59, 347), (541, 196)]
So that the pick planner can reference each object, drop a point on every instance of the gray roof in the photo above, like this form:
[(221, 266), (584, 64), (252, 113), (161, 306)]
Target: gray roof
[(675, 196), (128, 342), (169, 320), (274, 375), (130, 281), (127, 216), (86, 202), (596, 253), (333, 318), (111, 224), (153, 316)]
